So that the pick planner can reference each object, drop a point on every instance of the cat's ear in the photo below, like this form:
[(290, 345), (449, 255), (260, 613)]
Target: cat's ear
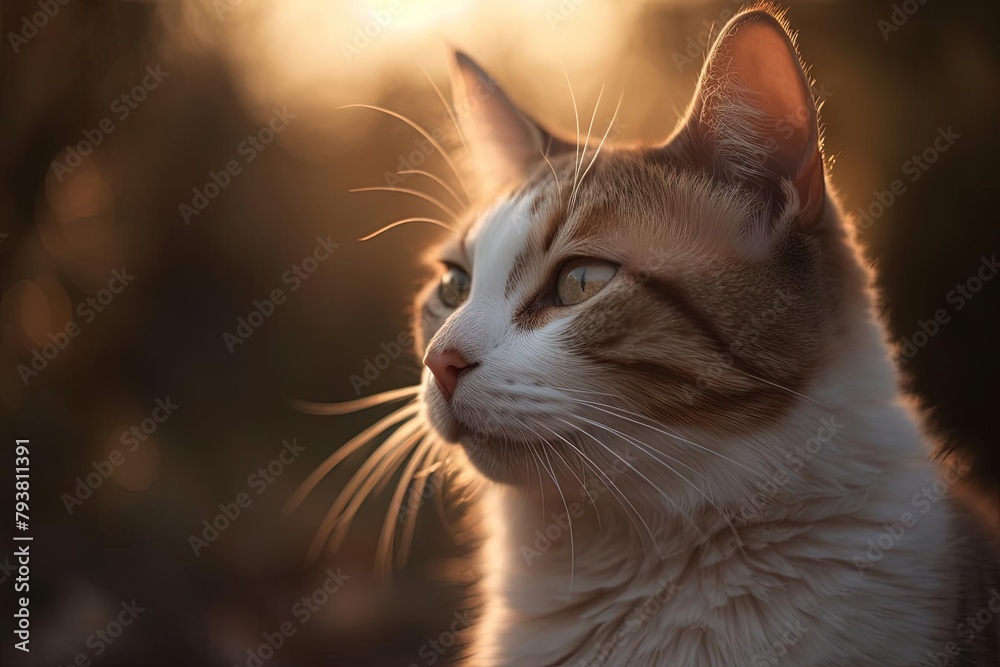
[(504, 143), (754, 117)]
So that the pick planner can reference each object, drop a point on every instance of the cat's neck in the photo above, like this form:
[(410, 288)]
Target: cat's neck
[(846, 455)]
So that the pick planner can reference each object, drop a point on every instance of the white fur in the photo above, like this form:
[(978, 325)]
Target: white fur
[(732, 607), (787, 589)]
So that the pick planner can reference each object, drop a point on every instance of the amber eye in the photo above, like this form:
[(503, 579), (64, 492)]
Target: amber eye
[(582, 278), (454, 287)]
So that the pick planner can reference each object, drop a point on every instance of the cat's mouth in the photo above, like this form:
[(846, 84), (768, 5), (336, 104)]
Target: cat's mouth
[(500, 457), (499, 429)]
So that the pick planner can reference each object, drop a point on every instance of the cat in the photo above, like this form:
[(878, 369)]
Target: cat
[(663, 371)]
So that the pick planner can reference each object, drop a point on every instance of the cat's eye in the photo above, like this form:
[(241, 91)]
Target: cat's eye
[(582, 278), (454, 287)]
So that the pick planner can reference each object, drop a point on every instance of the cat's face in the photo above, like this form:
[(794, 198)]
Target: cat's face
[(676, 289)]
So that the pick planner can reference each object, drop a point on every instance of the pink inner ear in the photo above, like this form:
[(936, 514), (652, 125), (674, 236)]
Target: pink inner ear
[(762, 60), (759, 59)]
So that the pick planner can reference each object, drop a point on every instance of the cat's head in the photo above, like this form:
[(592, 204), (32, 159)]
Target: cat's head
[(607, 294)]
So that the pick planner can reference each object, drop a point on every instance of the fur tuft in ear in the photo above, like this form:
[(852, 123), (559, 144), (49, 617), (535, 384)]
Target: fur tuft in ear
[(754, 118)]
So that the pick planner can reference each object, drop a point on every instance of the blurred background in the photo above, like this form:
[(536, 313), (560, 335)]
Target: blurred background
[(164, 165)]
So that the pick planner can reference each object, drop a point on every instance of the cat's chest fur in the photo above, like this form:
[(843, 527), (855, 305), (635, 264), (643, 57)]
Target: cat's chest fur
[(799, 588), (792, 595)]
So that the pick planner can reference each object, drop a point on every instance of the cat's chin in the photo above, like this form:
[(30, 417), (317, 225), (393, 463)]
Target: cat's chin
[(501, 462), (498, 459)]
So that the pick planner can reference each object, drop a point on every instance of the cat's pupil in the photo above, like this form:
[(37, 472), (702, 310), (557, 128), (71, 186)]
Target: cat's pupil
[(581, 279)]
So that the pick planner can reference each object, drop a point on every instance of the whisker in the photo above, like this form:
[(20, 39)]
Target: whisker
[(611, 484), (526, 496), (410, 191), (383, 552), (541, 487), (656, 453), (602, 406), (775, 384), (429, 470), (346, 407), (642, 444), (440, 508), (404, 221), (337, 526), (651, 483), (447, 107), (590, 128), (583, 485), (576, 115), (424, 133), (554, 174), (436, 179), (599, 146), (352, 445), (376, 467), (650, 451), (422, 479), (569, 520)]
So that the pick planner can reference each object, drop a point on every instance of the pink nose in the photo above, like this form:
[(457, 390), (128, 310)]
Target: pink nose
[(446, 367)]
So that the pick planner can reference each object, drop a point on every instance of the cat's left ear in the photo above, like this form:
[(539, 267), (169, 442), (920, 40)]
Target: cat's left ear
[(754, 117), (504, 143)]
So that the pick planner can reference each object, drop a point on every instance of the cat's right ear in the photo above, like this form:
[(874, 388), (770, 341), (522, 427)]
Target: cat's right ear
[(754, 118), (504, 143)]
